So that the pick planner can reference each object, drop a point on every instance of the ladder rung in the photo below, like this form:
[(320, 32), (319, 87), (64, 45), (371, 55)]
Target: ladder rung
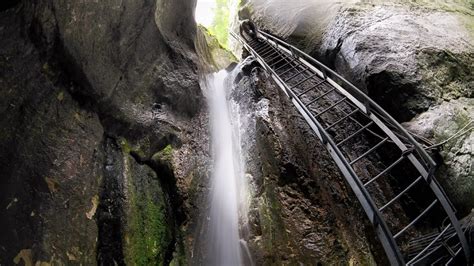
[(446, 246), (293, 68), (254, 41), (401, 193), (260, 44), (295, 75), (370, 131), (436, 262), (276, 63), (273, 58), (270, 52), (416, 219), (453, 257), (312, 88), (427, 238), (369, 151), (355, 133), (342, 119), (385, 171), (434, 248), (321, 96), (429, 245), (256, 44), (304, 80), (332, 106), (284, 65), (264, 49)]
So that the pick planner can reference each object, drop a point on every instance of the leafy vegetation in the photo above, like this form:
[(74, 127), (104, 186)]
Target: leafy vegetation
[(220, 25)]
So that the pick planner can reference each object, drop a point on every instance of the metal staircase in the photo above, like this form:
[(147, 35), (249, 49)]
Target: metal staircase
[(416, 223)]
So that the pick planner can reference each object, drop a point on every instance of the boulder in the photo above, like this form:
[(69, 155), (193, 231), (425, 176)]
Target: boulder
[(450, 126)]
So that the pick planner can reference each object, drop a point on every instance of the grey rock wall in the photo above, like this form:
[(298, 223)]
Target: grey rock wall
[(410, 57), (300, 211), (97, 101)]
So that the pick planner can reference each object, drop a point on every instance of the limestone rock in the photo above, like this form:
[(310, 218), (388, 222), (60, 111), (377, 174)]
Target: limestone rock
[(410, 57), (406, 56), (453, 118), (77, 77)]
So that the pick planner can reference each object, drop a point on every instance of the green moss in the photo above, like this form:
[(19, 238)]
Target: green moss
[(212, 51), (167, 151), (163, 156), (60, 96), (447, 75), (126, 148), (149, 234), (179, 257)]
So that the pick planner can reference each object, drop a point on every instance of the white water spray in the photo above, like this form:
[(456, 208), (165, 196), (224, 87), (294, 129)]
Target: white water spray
[(224, 246)]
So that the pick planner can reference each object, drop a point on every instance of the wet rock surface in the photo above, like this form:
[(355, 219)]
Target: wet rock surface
[(209, 48), (97, 99), (104, 147), (300, 210), (411, 58), (49, 161)]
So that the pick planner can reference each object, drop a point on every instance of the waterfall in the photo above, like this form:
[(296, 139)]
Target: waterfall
[(224, 246)]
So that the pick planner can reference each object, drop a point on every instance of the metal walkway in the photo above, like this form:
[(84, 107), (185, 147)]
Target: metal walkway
[(416, 223)]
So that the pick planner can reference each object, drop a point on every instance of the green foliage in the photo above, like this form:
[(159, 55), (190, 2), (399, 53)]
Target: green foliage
[(220, 25)]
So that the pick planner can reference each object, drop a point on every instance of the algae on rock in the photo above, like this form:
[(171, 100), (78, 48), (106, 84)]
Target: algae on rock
[(211, 51)]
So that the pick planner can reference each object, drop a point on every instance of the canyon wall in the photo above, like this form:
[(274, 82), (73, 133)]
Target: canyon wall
[(96, 100), (413, 58)]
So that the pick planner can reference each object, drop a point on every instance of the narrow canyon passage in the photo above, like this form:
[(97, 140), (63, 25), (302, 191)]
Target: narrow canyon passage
[(236, 132)]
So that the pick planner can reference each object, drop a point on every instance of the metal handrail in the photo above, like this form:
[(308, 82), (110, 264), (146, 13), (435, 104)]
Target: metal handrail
[(376, 113), (370, 104), (393, 252)]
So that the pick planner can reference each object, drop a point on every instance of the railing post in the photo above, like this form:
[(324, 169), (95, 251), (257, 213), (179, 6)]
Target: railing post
[(367, 107), (325, 75), (294, 53)]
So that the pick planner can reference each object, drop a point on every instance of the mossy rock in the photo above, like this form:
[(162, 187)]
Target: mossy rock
[(148, 233), (211, 51)]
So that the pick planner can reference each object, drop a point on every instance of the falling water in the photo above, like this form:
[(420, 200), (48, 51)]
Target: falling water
[(228, 193), (224, 245)]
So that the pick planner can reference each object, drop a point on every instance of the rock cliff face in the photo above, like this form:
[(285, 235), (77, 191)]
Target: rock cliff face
[(96, 100), (411, 58), (300, 211), (104, 147)]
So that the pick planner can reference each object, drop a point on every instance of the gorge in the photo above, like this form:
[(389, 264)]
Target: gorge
[(131, 135)]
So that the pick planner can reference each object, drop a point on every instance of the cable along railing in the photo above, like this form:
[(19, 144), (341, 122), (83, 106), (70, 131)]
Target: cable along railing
[(343, 117)]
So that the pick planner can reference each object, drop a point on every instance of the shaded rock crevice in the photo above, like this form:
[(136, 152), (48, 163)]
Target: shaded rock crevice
[(79, 78), (110, 212)]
